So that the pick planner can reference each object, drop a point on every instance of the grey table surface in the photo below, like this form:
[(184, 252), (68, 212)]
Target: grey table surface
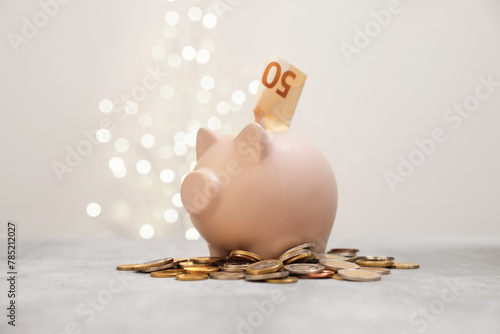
[(71, 286)]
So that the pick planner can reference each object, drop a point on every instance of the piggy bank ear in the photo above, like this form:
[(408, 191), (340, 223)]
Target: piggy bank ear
[(198, 189), (252, 142), (204, 140)]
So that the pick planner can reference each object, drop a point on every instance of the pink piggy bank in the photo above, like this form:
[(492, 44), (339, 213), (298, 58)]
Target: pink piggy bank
[(260, 191)]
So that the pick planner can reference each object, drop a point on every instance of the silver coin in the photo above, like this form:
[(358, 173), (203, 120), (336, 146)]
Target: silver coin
[(330, 257), (304, 268), (262, 277), (337, 264), (376, 258), (288, 255), (221, 275), (234, 267)]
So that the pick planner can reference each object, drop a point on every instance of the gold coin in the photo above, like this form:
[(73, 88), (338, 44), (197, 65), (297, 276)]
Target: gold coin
[(365, 263), (289, 279), (376, 258), (234, 267), (381, 271), (200, 270), (359, 275), (166, 273), (128, 267), (337, 277), (405, 265), (155, 263), (310, 246), (264, 267), (207, 260), (337, 264), (221, 275), (191, 277), (165, 266), (190, 264), (308, 256), (263, 277), (245, 253), (285, 256), (330, 257)]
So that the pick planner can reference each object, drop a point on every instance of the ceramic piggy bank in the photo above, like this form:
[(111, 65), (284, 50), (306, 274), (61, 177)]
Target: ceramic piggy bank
[(259, 191)]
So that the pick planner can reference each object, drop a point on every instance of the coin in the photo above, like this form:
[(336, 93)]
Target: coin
[(264, 267), (285, 280), (303, 268), (242, 258), (207, 260), (285, 256), (330, 257), (166, 273), (165, 266), (145, 265), (263, 277), (239, 252), (365, 263), (376, 258), (381, 271), (301, 258), (405, 265), (349, 252), (325, 273), (337, 264), (337, 277), (221, 275), (234, 267), (308, 245), (191, 277), (200, 270), (128, 267), (190, 264), (359, 275)]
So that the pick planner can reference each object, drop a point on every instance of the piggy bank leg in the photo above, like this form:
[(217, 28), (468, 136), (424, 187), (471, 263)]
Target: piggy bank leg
[(214, 251)]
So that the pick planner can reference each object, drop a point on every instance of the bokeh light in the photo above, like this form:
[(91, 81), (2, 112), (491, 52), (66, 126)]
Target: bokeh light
[(192, 234), (167, 175), (93, 209), (188, 52), (143, 166), (103, 135), (209, 20), (171, 216), (105, 106), (195, 14), (147, 231), (172, 17)]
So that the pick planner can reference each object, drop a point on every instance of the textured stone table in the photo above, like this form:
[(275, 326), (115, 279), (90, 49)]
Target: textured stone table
[(71, 286)]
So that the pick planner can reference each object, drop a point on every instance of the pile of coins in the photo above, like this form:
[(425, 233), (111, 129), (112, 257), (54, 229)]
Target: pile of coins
[(300, 262)]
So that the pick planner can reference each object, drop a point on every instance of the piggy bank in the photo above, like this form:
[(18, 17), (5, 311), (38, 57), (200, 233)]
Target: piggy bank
[(260, 191)]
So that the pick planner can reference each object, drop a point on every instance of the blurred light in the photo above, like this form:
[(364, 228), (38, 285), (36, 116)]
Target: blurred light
[(209, 20), (103, 135), (169, 31), (192, 234), (222, 107), (148, 140), (93, 209), (167, 175), (208, 45), (120, 173), (172, 18), (253, 87), (166, 91), (238, 97), (147, 231), (171, 215), (191, 139), (176, 200), (143, 166), (121, 211), (202, 56), (131, 107), (194, 14), (105, 106), (224, 87), (116, 163), (158, 53), (214, 123), (166, 152), (180, 149), (145, 120), (174, 60), (203, 96), (180, 137), (207, 82), (188, 52), (121, 145)]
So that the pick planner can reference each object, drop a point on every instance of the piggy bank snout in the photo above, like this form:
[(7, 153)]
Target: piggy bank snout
[(198, 189)]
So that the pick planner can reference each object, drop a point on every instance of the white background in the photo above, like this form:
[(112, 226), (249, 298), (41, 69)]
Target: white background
[(361, 114)]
